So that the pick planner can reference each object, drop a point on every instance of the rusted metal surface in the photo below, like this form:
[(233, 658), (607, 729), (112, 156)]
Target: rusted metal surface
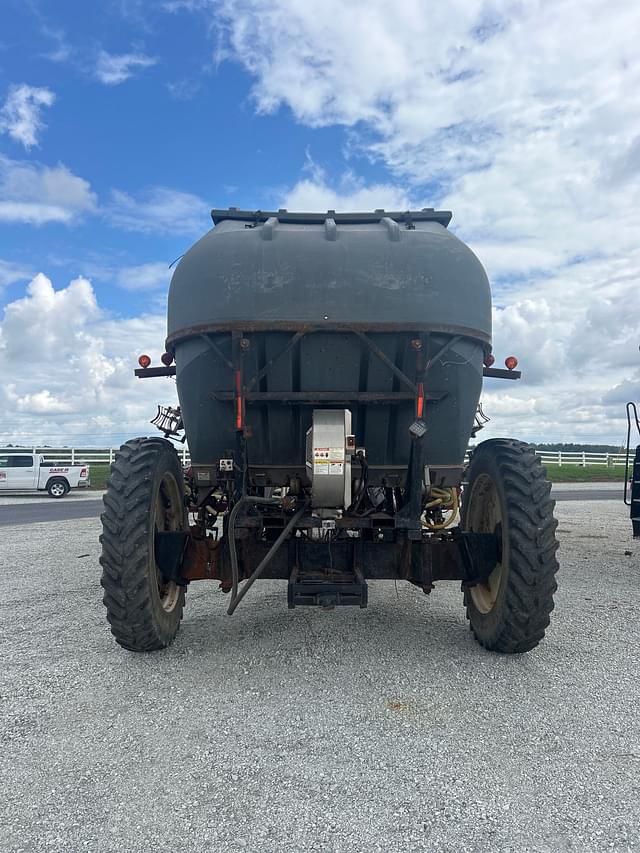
[(312, 397), (202, 558), (248, 326), (468, 557)]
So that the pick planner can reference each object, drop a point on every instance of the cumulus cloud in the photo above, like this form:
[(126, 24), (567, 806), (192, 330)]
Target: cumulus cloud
[(70, 368), (113, 69), (159, 210), (521, 120), (524, 121), (35, 194), (315, 192), (20, 113)]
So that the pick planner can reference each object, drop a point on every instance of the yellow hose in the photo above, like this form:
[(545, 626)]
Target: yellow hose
[(443, 497)]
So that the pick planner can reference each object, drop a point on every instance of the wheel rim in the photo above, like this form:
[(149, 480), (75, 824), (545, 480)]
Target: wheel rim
[(484, 515), (57, 489), (167, 516)]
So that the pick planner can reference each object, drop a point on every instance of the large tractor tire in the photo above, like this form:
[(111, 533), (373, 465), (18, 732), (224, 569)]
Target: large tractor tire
[(507, 491), (145, 494)]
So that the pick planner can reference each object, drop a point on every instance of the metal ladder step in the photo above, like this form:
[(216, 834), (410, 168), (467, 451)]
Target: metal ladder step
[(326, 589)]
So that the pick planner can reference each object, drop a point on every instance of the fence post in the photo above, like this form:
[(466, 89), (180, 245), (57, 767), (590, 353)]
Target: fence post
[(559, 459), (111, 456), (73, 456), (584, 459), (184, 455)]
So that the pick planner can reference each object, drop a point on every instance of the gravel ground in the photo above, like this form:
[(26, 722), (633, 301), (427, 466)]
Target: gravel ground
[(386, 729)]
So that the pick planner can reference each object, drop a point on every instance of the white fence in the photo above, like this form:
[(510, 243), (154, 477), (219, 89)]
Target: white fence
[(585, 460), (82, 455)]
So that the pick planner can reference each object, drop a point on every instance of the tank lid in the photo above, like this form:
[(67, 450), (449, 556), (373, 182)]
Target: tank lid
[(427, 214)]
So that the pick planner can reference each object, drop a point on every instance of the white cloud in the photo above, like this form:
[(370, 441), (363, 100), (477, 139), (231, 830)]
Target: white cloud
[(32, 193), (521, 118), (149, 276), (112, 69), (20, 114), (70, 368), (11, 272), (314, 193), (524, 121), (159, 210)]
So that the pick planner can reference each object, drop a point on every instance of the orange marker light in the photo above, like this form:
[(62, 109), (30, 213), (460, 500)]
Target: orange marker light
[(489, 359), (144, 361), (420, 401), (166, 358), (239, 402), (511, 362)]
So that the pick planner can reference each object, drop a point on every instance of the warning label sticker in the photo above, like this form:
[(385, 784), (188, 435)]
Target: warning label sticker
[(328, 460), (333, 454)]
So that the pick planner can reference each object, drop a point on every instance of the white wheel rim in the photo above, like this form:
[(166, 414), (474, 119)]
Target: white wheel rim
[(167, 519), (483, 517)]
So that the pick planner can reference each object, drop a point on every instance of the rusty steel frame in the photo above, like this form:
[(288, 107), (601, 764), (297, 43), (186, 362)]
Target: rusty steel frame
[(463, 556)]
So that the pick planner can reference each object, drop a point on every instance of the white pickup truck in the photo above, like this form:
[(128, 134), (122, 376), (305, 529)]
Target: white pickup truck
[(28, 472)]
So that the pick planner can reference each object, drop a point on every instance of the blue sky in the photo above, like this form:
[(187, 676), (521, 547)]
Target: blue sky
[(185, 122), (123, 122)]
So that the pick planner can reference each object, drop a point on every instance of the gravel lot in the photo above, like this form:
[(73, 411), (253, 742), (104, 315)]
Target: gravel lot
[(386, 729)]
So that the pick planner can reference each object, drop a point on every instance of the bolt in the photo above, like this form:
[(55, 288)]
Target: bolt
[(416, 343), (245, 343)]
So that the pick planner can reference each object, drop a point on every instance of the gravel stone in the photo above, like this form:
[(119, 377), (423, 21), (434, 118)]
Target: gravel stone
[(386, 729)]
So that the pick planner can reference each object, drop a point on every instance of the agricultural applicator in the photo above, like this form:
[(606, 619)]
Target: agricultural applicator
[(329, 368)]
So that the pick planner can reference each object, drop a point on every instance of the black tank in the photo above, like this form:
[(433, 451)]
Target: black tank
[(329, 310)]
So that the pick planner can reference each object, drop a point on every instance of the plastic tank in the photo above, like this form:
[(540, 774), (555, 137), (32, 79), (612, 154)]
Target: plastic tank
[(324, 307)]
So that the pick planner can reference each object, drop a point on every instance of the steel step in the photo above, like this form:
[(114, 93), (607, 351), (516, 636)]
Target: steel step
[(326, 589)]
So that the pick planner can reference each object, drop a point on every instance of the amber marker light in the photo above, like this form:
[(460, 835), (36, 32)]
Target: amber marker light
[(511, 362), (489, 360), (144, 361)]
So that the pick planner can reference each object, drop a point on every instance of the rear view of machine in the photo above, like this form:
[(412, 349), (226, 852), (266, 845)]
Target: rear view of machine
[(329, 369)]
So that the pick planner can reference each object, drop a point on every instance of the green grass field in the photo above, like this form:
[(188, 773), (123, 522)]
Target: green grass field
[(590, 474), (556, 473)]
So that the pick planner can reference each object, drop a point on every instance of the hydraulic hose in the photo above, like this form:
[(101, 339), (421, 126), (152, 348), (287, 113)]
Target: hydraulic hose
[(445, 498), (364, 468)]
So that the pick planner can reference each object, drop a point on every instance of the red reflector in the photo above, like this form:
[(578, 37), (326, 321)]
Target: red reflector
[(166, 358), (239, 418), (144, 361), (420, 403), (511, 362), (489, 359)]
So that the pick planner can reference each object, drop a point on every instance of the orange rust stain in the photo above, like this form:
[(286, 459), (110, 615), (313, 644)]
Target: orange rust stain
[(396, 705)]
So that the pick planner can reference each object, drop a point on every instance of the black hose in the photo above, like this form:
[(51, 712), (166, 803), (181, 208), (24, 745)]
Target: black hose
[(238, 595), (365, 479)]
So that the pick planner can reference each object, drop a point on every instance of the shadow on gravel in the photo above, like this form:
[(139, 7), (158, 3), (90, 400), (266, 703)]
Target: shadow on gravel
[(270, 634)]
